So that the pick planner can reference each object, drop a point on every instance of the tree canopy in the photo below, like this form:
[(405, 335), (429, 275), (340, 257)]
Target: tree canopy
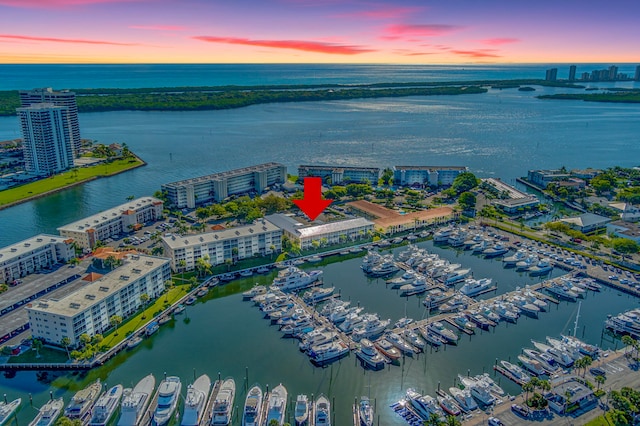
[(465, 181)]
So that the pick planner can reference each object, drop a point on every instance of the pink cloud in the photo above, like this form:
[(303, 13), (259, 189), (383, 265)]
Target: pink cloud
[(53, 4), (498, 41), (62, 40), (159, 27), (387, 13), (306, 46), (480, 53), (399, 31)]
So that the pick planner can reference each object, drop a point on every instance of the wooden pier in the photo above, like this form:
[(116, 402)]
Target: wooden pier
[(206, 416), (507, 374)]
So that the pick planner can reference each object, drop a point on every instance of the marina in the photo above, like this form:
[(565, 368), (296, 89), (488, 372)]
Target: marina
[(414, 308)]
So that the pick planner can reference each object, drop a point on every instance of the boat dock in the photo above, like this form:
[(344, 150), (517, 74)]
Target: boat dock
[(206, 416), (507, 374), (451, 322), (147, 418)]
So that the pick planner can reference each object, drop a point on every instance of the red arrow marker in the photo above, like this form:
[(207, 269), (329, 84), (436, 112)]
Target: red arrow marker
[(312, 204)]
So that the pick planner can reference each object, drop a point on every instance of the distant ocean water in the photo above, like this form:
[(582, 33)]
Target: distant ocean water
[(14, 77)]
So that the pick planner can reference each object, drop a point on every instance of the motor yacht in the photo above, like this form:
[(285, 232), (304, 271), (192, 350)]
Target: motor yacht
[(301, 412), (439, 329), (464, 399), (322, 411), (168, 398), (473, 287), (135, 401), (370, 356), (516, 371), (196, 401), (252, 413), (48, 413), (276, 405), (106, 406), (81, 403)]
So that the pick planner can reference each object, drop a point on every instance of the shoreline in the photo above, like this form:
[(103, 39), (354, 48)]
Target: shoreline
[(71, 185)]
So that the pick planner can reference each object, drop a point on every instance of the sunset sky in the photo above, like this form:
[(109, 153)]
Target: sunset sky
[(318, 31)]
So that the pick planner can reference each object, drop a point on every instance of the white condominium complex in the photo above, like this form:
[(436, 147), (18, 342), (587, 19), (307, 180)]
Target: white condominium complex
[(47, 138), (338, 175), (427, 175), (33, 254), (89, 309), (62, 98), (218, 186), (260, 238), (329, 233), (115, 221)]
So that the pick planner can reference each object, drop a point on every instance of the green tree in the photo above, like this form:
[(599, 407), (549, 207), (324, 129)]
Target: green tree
[(465, 181), (387, 176), (131, 197), (66, 342), (144, 299), (452, 421), (202, 213), (85, 339), (433, 420), (157, 251), (115, 321), (467, 201), (182, 265), (66, 421), (625, 245), (600, 379)]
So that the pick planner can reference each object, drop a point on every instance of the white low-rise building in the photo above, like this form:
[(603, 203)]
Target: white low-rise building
[(89, 309), (427, 175), (258, 239), (33, 254), (510, 199), (113, 222), (331, 233), (628, 212)]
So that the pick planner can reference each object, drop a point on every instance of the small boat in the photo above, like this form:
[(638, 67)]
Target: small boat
[(256, 290), (168, 397), (48, 413), (262, 270), (365, 412), (448, 404), (328, 352), (223, 405), (317, 294), (463, 398), (301, 413), (314, 259), (439, 329), (106, 406), (135, 401), (246, 273), (202, 292), (134, 341), (196, 401), (532, 365), (164, 319), (191, 300), (276, 405), (322, 411), (179, 309), (401, 344), (151, 328), (8, 409), (517, 372), (251, 415), (227, 277), (81, 403)]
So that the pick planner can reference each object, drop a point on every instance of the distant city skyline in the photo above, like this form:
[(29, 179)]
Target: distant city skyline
[(317, 31)]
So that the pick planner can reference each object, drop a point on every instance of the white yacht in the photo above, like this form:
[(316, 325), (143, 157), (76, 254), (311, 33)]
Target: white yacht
[(317, 294), (449, 405), (322, 411), (276, 405), (168, 398), (473, 287), (436, 298), (371, 328), (562, 292), (48, 413), (7, 409), (369, 355), (516, 371), (385, 268), (479, 390), (81, 403), (542, 267), (495, 250), (424, 405), (439, 329), (370, 260), (519, 255), (301, 413), (406, 278), (413, 339), (328, 352), (106, 406), (463, 398), (532, 365), (196, 401), (365, 412), (222, 409), (293, 279), (442, 235), (527, 308), (400, 343), (527, 263), (252, 414), (341, 313), (494, 388), (135, 401), (317, 337), (456, 276), (418, 286), (256, 290)]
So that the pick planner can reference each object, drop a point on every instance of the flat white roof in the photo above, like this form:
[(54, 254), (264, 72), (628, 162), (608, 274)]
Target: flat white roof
[(134, 267), (104, 216), (257, 228), (224, 175), (30, 244), (292, 226)]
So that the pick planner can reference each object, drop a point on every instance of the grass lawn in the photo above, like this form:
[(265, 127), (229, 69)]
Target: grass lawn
[(152, 310), (47, 355), (62, 180), (601, 421)]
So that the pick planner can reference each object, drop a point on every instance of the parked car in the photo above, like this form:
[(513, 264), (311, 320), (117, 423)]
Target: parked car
[(519, 409)]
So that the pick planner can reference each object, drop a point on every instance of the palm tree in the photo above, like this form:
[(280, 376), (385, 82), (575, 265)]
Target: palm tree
[(628, 341), (434, 420), (37, 345), (182, 265), (115, 321), (272, 249), (66, 342), (527, 387), (600, 379), (452, 421)]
